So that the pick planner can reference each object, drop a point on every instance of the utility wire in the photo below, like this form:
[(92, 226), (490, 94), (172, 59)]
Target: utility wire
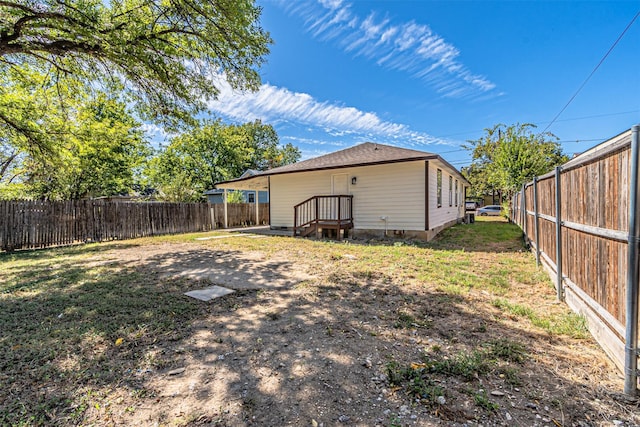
[(541, 123), (593, 72)]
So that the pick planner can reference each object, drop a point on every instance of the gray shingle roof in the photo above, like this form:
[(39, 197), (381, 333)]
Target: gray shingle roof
[(363, 154), (368, 153)]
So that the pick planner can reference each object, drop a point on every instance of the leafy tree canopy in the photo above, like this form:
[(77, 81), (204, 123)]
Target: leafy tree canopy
[(165, 54), (507, 157), (99, 153), (212, 152)]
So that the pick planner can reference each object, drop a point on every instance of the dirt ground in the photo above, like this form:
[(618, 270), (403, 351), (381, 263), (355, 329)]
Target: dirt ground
[(304, 344)]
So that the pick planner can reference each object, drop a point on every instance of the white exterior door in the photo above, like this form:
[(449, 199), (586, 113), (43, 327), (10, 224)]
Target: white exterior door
[(340, 183)]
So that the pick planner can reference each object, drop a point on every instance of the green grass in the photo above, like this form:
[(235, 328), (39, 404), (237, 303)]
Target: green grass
[(420, 380), (62, 319), (483, 235), (566, 323)]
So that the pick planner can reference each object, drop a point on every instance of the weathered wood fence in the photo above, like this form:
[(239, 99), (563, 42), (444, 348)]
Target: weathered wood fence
[(29, 224), (577, 220), (240, 214)]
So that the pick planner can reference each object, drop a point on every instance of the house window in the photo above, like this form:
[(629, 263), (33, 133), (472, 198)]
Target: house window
[(252, 197), (439, 191), (450, 190), (456, 192)]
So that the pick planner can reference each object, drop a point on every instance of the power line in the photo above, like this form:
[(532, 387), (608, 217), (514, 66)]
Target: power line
[(592, 72), (596, 116), (543, 122), (581, 140)]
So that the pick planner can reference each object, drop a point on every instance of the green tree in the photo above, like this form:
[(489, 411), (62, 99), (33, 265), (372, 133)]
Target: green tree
[(32, 109), (235, 197), (507, 157), (99, 154), (267, 153), (212, 152), (165, 54)]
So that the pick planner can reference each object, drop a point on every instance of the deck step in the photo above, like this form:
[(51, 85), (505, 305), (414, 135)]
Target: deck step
[(308, 230)]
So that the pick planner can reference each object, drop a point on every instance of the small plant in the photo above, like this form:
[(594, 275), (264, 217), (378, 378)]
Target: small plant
[(464, 365), (508, 350), (407, 321), (394, 421), (414, 379), (482, 400), (510, 376)]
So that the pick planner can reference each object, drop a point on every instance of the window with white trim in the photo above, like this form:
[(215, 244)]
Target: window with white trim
[(439, 188), (456, 192)]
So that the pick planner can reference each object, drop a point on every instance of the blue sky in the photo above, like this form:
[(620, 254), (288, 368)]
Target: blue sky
[(430, 75)]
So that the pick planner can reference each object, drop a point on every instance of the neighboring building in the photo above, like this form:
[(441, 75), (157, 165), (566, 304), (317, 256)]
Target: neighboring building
[(384, 189), (217, 196)]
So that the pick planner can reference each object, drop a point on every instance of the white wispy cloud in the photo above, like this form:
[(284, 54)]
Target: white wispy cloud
[(404, 46), (274, 104)]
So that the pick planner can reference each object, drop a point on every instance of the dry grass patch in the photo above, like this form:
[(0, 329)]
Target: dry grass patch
[(463, 330)]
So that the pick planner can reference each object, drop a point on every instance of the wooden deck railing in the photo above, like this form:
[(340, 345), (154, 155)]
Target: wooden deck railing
[(330, 212)]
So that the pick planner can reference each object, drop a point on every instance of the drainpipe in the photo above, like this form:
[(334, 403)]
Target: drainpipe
[(559, 288), (631, 339)]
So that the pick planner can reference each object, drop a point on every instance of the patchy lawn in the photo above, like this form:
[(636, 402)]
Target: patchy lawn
[(461, 331)]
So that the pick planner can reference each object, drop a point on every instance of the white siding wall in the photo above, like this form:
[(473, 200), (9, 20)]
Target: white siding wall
[(394, 190), (441, 215), (288, 190)]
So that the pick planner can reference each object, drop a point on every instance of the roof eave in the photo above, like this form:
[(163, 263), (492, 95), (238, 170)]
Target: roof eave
[(354, 165)]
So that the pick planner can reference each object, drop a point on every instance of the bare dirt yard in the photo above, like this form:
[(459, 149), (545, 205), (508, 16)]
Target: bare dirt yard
[(463, 331)]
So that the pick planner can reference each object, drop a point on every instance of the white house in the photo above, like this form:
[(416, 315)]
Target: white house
[(369, 189)]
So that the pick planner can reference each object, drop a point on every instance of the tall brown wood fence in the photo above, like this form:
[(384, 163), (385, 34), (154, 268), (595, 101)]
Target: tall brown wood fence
[(29, 224), (240, 214), (577, 221)]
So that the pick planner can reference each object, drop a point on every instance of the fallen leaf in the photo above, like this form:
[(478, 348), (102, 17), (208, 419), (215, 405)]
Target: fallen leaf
[(119, 342)]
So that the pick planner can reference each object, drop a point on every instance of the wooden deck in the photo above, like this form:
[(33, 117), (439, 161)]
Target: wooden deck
[(324, 216)]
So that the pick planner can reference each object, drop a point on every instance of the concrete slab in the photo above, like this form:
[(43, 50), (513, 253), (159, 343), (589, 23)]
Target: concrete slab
[(208, 294)]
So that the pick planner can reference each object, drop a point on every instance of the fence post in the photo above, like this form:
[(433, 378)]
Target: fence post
[(559, 289), (535, 220), (631, 327), (212, 216), (226, 214), (523, 214), (257, 209)]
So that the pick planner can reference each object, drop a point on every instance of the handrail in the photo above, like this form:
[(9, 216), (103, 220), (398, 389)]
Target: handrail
[(317, 209), (323, 196)]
